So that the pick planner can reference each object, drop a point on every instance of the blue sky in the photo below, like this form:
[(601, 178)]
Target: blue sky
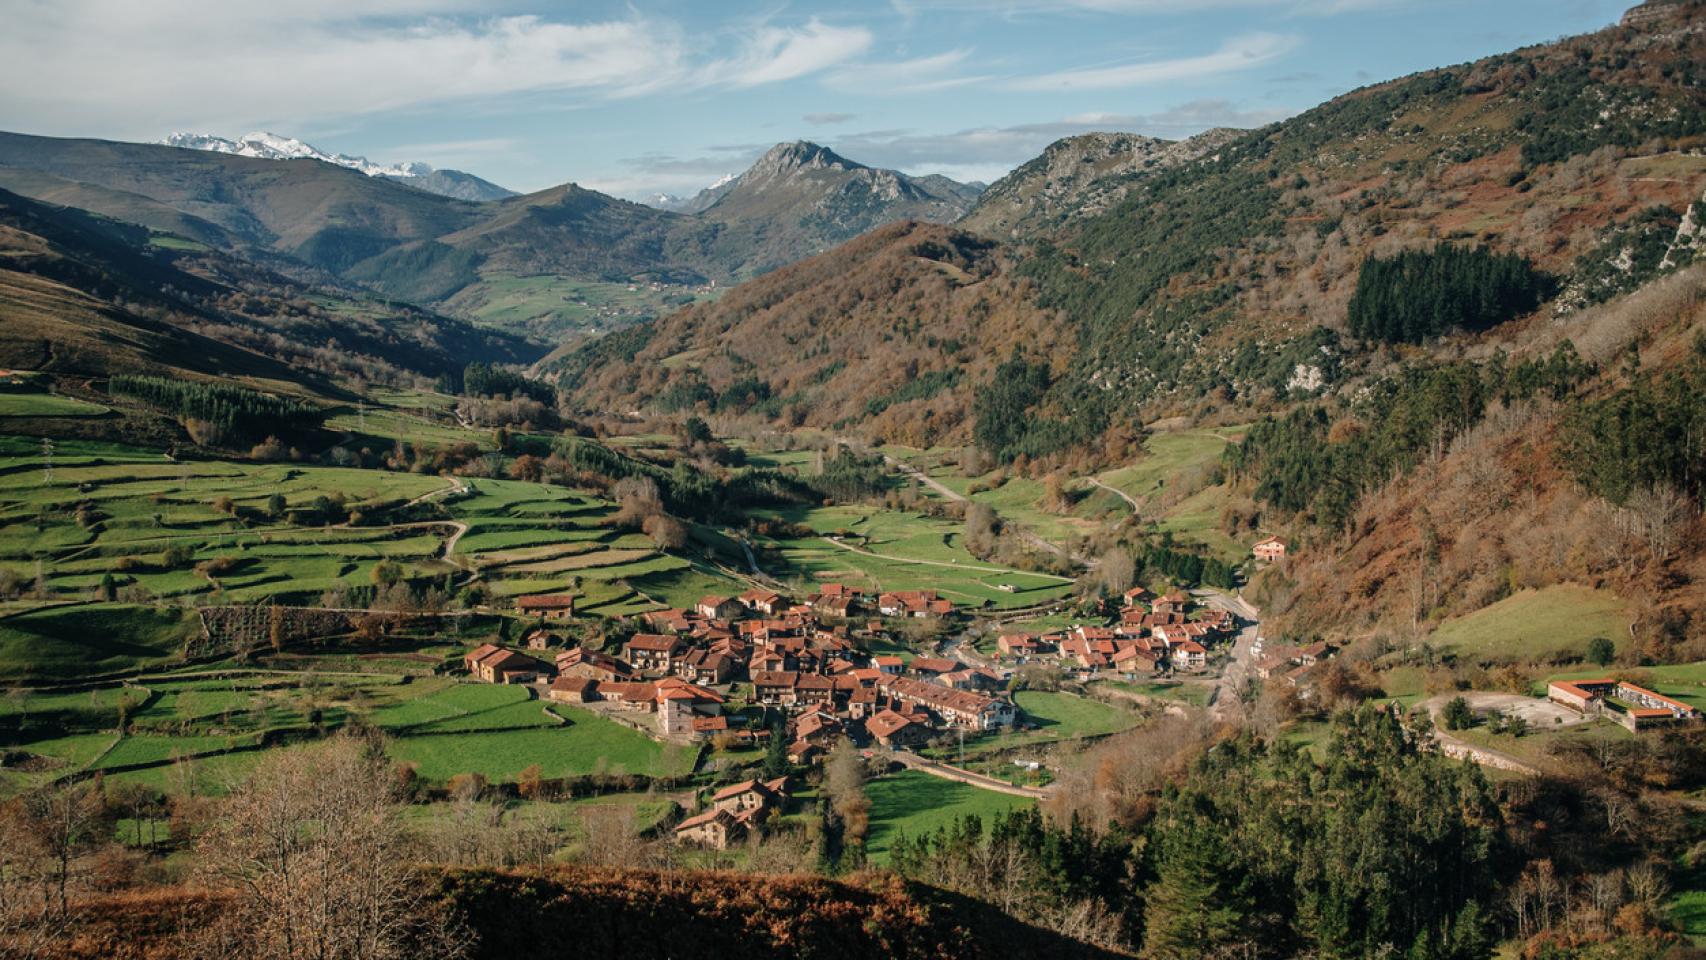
[(638, 97)]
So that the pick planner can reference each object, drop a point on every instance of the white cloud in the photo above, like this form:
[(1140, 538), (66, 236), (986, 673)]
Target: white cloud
[(1239, 53), (136, 69), (828, 119), (918, 75), (774, 54), (984, 153), (1015, 8)]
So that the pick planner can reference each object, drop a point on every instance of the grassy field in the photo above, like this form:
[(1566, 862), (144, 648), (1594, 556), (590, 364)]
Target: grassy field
[(1536, 624), (586, 744), (200, 731), (1194, 694), (46, 405), (1058, 717), (1174, 461), (552, 307), (1170, 455), (1540, 746), (910, 804), (91, 640), (1067, 715), (890, 550)]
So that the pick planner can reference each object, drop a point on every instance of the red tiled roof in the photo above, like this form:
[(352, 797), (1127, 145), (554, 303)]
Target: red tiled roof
[(547, 601)]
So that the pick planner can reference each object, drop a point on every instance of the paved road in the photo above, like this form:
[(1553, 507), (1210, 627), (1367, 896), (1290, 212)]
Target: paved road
[(1222, 697)]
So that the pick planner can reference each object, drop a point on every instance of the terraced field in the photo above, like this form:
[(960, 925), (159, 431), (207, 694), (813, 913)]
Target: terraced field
[(160, 530), (205, 730)]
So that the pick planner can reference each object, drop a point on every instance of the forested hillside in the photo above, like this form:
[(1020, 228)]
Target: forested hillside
[(885, 333), (1227, 282), (89, 297)]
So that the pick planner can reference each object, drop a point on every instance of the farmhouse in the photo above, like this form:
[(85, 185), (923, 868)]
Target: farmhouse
[(568, 689), (960, 708), (1174, 602), (680, 703), (893, 729), (495, 664), (547, 606), (704, 665), (542, 639), (763, 601), (716, 828), (1269, 550), (581, 662), (1625, 703), (717, 608), (654, 651), (913, 603)]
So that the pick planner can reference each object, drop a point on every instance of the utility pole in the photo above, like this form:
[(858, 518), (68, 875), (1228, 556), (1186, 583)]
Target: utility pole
[(361, 415), (46, 459)]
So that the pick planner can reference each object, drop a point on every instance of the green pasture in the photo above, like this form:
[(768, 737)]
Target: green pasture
[(913, 804)]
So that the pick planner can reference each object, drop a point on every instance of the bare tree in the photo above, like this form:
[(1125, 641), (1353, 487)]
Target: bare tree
[(43, 836), (312, 848), (1117, 570), (612, 838)]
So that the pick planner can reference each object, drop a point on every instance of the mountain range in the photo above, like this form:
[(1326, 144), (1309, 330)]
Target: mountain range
[(271, 146), (540, 263)]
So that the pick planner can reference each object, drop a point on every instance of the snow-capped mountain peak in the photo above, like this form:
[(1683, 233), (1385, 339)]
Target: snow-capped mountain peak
[(271, 146)]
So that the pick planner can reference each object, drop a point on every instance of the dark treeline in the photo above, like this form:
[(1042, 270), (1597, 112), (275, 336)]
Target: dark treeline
[(234, 413), (1380, 847), (1424, 293), (921, 387), (686, 490), (849, 476), (1038, 872), (485, 380), (1006, 418), (1187, 569), (1651, 434), (1304, 466)]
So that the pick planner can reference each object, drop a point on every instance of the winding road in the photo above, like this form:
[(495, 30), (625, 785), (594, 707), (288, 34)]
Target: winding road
[(944, 563), (951, 494), (1130, 500)]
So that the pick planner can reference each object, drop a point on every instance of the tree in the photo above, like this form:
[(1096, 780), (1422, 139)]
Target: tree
[(844, 785), (666, 531), (776, 752), (1601, 651), (276, 505), (1458, 715), (1118, 570), (313, 851), (982, 527), (1192, 908), (387, 572)]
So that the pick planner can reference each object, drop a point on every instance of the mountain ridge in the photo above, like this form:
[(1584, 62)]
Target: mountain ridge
[(263, 145)]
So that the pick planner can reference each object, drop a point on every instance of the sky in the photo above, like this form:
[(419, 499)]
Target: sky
[(648, 96)]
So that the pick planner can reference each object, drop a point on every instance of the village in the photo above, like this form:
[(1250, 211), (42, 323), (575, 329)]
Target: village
[(745, 669)]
